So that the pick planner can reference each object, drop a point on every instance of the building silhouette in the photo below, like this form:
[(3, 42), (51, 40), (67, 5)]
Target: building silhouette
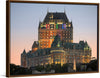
[(55, 44)]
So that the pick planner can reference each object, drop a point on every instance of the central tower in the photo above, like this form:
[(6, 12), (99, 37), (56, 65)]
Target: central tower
[(54, 24)]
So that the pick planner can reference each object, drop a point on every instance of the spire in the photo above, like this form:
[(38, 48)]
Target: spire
[(35, 44), (24, 52), (64, 10), (66, 14), (71, 24), (39, 20), (47, 10)]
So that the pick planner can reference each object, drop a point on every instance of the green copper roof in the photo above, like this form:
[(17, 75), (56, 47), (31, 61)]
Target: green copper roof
[(57, 42), (81, 45), (39, 52)]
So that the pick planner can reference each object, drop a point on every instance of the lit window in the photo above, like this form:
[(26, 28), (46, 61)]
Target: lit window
[(51, 26), (50, 37), (69, 25)]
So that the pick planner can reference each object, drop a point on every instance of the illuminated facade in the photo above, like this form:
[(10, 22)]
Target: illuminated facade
[(55, 44), (53, 24)]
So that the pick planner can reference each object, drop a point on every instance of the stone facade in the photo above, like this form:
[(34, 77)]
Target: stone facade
[(53, 24), (55, 44), (57, 55)]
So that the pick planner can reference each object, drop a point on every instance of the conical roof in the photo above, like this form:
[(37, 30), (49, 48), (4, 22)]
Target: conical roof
[(24, 52), (35, 44)]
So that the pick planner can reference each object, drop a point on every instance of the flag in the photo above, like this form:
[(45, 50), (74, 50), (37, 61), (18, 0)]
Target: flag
[(56, 26), (62, 26)]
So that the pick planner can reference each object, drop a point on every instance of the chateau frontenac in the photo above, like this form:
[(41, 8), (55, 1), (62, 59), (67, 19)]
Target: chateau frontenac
[(55, 44)]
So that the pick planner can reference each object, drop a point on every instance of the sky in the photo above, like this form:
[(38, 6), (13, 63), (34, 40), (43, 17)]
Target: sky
[(24, 22)]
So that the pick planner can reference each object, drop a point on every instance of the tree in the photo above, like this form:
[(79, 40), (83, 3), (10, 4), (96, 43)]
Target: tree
[(17, 70), (93, 65)]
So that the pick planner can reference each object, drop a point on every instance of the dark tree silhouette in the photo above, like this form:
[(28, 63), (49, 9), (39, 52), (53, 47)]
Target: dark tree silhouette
[(17, 70), (93, 65)]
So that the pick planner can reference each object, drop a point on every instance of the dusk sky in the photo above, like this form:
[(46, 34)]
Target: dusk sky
[(24, 22)]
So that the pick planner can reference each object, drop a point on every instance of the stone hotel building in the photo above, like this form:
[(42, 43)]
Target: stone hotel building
[(55, 44)]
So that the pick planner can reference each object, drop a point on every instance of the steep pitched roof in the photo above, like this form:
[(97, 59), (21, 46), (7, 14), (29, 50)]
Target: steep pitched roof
[(35, 44), (39, 52), (24, 52), (81, 45), (56, 15)]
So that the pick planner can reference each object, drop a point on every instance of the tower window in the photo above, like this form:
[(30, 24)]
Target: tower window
[(51, 26)]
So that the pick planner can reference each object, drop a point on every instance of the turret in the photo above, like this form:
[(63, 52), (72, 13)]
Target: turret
[(24, 59), (35, 46)]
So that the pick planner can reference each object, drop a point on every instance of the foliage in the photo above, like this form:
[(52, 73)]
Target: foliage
[(39, 67), (17, 70), (93, 65), (57, 67)]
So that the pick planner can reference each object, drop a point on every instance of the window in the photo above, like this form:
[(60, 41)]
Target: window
[(59, 26), (69, 25), (51, 37), (50, 31), (47, 26), (51, 26), (50, 34)]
